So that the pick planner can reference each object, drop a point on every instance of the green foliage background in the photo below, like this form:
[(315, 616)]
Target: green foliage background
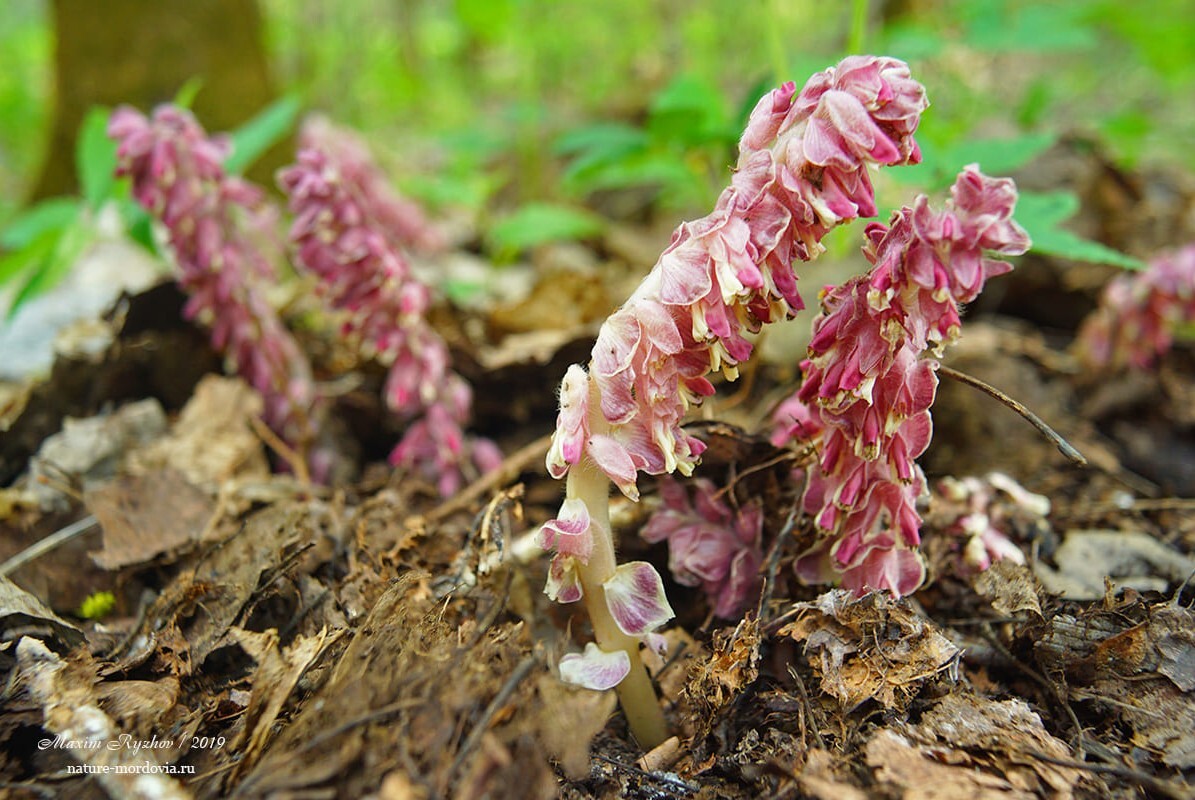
[(498, 104)]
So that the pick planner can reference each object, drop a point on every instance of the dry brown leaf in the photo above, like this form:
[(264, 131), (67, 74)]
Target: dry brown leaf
[(1131, 558), (139, 706), (146, 516), (873, 647), (212, 441), (193, 614), (277, 674), (89, 450), (971, 747), (1010, 588), (1162, 718), (22, 614), (731, 667), (569, 719), (64, 691), (821, 779)]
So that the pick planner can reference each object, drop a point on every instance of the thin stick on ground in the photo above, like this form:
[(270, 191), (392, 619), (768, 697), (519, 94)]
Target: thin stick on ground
[(43, 546), (1064, 447), (292, 457), (524, 458)]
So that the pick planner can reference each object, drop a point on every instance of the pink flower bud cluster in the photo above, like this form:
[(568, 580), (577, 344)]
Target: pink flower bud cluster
[(340, 234), (802, 170), (710, 544), (867, 389), (1139, 313), (219, 228), (980, 512)]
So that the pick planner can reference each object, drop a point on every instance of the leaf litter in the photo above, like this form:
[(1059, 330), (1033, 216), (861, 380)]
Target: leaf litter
[(367, 640)]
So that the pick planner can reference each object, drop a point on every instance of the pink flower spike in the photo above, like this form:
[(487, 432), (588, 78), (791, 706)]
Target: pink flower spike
[(1140, 313), (635, 596), (348, 230), (595, 668), (868, 386), (221, 237), (569, 533), (710, 544)]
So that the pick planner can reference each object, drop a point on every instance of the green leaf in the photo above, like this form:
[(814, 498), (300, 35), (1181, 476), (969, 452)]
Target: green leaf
[(18, 262), (95, 157), (53, 214), (999, 26), (260, 133), (463, 292), (650, 168), (600, 137), (539, 223), (689, 112), (53, 256), (138, 224), (471, 189), (487, 20), (911, 41), (185, 96), (1041, 214), (97, 605)]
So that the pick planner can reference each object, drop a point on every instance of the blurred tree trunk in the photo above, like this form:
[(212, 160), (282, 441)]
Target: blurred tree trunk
[(141, 52)]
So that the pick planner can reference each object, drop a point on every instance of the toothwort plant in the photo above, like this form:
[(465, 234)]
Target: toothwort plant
[(980, 513), (802, 170), (221, 231), (345, 232), (710, 544), (869, 384), (1139, 313)]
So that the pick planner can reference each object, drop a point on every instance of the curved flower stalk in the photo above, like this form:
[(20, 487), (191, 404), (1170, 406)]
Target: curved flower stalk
[(220, 229), (868, 389), (340, 234), (710, 544), (979, 512), (1140, 312), (802, 170)]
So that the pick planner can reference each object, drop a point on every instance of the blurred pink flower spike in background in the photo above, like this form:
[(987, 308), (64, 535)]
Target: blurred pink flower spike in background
[(1140, 313), (346, 233), (221, 233)]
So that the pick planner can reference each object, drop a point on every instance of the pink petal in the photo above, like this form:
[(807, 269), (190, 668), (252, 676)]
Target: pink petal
[(564, 583), (635, 597), (595, 668), (614, 460), (897, 570), (569, 533)]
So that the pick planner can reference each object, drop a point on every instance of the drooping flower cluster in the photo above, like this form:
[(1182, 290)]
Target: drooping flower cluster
[(1139, 313), (867, 389), (981, 513), (341, 234), (710, 544), (802, 170), (220, 230)]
